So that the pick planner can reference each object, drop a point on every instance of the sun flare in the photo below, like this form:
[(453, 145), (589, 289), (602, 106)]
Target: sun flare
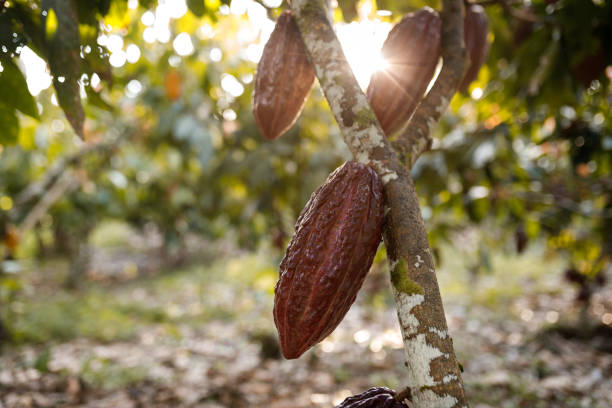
[(361, 42)]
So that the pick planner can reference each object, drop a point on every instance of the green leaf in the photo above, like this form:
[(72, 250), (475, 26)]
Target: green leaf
[(19, 26), (89, 11), (65, 60), (197, 7), (104, 6), (96, 61), (9, 126), (42, 360), (118, 14), (7, 29), (51, 24), (96, 99), (146, 3), (212, 5), (14, 89)]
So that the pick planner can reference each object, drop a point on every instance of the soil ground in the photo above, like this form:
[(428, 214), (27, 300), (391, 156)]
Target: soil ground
[(202, 335)]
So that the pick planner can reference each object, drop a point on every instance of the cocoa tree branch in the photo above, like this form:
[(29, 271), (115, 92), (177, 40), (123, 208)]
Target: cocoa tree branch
[(58, 180), (416, 137), (520, 14), (485, 3), (66, 182), (38, 187), (433, 378), (506, 5)]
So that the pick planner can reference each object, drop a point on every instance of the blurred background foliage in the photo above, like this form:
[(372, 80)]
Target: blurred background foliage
[(139, 112)]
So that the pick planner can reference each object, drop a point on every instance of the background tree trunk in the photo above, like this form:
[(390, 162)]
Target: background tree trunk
[(80, 258)]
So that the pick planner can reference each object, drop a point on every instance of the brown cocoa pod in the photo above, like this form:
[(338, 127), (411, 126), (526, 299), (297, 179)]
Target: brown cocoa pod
[(412, 50), (335, 240), (376, 397), (283, 80), (475, 30)]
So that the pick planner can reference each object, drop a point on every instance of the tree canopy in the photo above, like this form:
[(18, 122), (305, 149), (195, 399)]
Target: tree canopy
[(165, 89)]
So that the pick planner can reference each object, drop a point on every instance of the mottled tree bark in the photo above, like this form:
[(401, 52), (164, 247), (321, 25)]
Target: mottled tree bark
[(80, 257), (434, 379)]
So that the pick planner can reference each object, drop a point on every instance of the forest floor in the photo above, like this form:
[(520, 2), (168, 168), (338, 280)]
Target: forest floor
[(202, 335)]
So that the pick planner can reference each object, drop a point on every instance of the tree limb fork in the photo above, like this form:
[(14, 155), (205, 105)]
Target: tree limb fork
[(434, 378)]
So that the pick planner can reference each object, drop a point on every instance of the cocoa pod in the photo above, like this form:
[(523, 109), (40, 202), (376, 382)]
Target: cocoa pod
[(411, 49), (475, 30), (283, 80), (335, 240), (376, 397)]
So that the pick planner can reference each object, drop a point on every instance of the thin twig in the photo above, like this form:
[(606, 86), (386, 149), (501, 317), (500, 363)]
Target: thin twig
[(65, 183)]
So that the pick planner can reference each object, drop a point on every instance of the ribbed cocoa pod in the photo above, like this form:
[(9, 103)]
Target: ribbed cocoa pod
[(475, 30), (335, 240), (411, 49), (283, 80), (376, 397)]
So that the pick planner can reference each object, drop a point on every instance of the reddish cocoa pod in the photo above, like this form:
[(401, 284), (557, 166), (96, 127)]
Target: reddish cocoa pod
[(475, 30), (283, 80), (412, 50), (335, 240), (376, 397)]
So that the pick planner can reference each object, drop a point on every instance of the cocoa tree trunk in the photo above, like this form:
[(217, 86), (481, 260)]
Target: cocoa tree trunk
[(61, 240), (433, 379), (42, 250)]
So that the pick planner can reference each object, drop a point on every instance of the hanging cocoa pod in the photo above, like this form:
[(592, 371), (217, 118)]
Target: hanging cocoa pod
[(475, 30), (283, 80), (411, 50), (376, 397), (335, 240)]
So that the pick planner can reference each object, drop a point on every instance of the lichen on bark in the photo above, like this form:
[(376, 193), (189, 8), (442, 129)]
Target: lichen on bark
[(401, 280)]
